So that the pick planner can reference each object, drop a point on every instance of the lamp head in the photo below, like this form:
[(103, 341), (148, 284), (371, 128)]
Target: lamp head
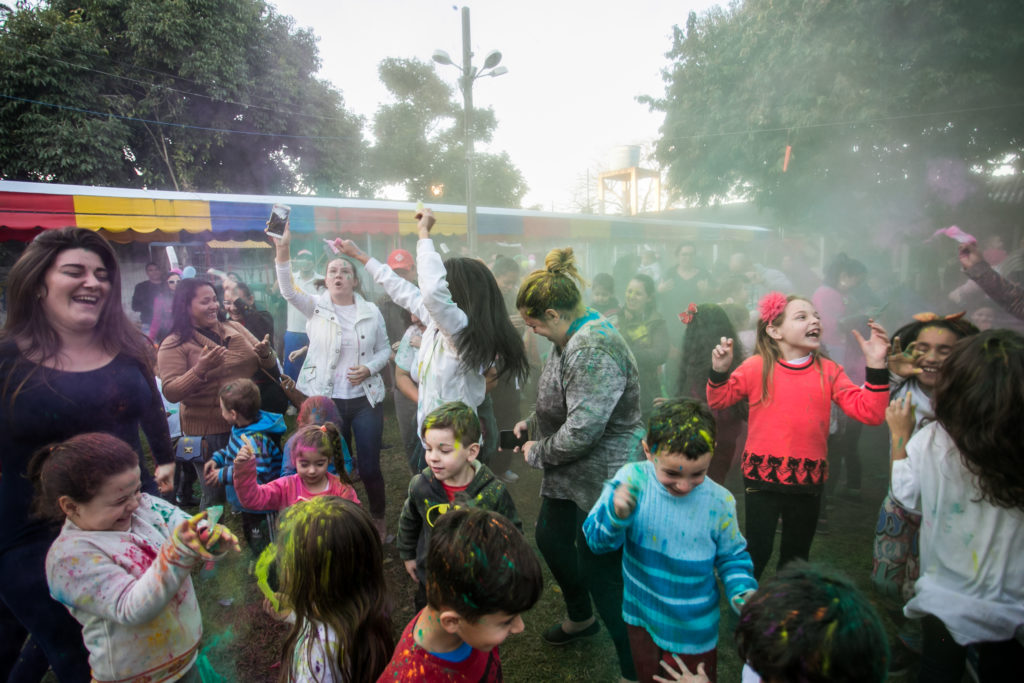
[(441, 57), (492, 59)]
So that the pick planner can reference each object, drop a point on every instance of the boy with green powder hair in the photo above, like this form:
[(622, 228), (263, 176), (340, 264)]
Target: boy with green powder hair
[(453, 478), (676, 529)]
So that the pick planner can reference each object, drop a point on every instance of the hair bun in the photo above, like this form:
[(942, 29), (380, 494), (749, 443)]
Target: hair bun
[(560, 261)]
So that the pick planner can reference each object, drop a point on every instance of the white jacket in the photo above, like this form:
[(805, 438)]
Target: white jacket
[(438, 368), (318, 370)]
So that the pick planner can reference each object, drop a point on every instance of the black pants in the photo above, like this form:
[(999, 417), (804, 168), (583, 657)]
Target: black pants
[(582, 575), (799, 512), (943, 659)]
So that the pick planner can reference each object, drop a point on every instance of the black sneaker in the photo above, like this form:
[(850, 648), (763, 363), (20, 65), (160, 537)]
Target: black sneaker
[(556, 636)]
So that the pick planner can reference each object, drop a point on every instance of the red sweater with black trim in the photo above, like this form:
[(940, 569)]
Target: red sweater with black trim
[(787, 439)]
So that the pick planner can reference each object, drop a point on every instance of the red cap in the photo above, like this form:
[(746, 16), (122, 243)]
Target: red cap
[(400, 259)]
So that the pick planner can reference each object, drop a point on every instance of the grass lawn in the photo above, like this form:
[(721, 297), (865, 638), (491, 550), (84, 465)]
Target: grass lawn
[(243, 644)]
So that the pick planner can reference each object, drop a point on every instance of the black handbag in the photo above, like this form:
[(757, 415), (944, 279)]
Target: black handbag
[(189, 449)]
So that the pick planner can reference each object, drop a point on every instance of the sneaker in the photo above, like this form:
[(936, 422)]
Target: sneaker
[(509, 477), (556, 636)]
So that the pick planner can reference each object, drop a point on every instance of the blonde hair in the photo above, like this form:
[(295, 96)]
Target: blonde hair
[(557, 286), (768, 349)]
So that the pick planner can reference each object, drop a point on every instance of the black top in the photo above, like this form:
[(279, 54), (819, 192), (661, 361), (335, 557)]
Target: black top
[(118, 398), (143, 297)]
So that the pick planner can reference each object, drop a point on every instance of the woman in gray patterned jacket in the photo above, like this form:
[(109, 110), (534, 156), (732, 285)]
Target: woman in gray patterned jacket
[(585, 426)]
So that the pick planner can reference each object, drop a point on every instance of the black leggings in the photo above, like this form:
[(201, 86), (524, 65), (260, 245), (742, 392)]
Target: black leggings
[(943, 659), (799, 512), (582, 575)]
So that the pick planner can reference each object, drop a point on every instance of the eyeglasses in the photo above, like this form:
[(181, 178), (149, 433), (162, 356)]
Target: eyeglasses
[(173, 281)]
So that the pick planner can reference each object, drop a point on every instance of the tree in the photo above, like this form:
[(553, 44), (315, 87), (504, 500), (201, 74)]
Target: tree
[(882, 104), (420, 141), (205, 95)]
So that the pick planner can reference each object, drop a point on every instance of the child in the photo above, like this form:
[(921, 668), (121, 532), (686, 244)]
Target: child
[(121, 563), (965, 475), (453, 477), (602, 295), (330, 559), (240, 406), (918, 351), (676, 528), (481, 574), (705, 325), (312, 448), (790, 386), (317, 410)]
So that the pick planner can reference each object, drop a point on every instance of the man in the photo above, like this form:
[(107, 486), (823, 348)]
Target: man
[(145, 293), (295, 337)]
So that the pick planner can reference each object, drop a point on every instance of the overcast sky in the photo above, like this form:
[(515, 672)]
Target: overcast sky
[(575, 69)]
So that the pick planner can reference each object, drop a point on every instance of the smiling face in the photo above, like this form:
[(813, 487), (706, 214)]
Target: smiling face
[(448, 459), (341, 279), (799, 333), (172, 281), (489, 631), (677, 473), (637, 297), (77, 286), (111, 508), (934, 344), (204, 307), (311, 466)]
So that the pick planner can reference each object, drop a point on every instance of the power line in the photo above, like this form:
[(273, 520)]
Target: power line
[(175, 125)]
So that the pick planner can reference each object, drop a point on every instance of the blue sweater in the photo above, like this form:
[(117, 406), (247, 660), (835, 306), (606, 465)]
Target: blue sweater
[(672, 546), (265, 434)]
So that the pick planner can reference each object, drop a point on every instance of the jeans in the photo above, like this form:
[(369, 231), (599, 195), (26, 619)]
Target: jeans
[(799, 512), (26, 597), (405, 413), (293, 341), (582, 575), (211, 495), (366, 423)]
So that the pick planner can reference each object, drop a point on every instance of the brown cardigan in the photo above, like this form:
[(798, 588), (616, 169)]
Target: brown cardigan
[(200, 407)]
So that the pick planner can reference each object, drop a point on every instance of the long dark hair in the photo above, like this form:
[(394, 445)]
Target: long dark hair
[(332, 569), (709, 324), (27, 321), (489, 337), (977, 401), (182, 327)]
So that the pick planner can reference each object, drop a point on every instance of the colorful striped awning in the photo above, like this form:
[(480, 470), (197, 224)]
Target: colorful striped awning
[(129, 215)]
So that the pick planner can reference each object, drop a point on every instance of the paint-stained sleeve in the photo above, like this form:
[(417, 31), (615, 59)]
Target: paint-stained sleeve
[(867, 403), (732, 561), (725, 390), (381, 346), (604, 531), (83, 575), (256, 496), (295, 297), (652, 350), (592, 383), (1004, 292), (402, 292), (505, 506), (410, 524), (905, 482), (437, 298)]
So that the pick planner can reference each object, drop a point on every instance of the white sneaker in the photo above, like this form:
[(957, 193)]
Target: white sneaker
[(509, 477)]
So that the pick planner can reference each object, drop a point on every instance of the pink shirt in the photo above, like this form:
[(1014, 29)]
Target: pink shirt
[(284, 491)]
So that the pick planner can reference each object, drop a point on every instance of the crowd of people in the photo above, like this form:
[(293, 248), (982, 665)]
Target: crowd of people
[(634, 413)]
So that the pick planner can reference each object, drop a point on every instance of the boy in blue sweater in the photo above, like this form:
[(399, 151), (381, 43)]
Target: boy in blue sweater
[(240, 405), (676, 528)]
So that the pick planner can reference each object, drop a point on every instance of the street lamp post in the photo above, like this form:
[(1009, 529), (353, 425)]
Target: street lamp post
[(469, 75)]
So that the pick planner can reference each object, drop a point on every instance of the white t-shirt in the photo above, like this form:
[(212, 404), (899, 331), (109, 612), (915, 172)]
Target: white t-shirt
[(971, 550), (349, 357)]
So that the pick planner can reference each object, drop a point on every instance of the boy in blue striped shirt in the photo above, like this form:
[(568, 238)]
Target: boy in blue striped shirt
[(676, 528)]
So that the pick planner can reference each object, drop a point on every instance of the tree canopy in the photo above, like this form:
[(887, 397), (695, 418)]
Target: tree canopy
[(880, 102), (420, 141), (202, 95)]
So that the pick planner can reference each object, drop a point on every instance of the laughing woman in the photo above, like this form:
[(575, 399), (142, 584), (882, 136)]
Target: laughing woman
[(348, 348), (71, 362)]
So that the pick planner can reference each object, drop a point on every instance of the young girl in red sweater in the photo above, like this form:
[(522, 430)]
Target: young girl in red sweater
[(790, 386)]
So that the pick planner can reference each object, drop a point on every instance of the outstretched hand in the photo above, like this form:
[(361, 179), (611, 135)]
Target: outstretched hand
[(352, 250), (203, 538), (682, 674), (426, 222), (721, 355), (969, 255), (876, 347), (904, 362)]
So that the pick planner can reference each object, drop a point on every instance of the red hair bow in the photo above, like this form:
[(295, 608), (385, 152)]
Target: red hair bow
[(686, 317), (771, 306)]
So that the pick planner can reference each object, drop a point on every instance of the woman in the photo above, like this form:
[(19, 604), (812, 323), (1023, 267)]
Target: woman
[(71, 363), (160, 327), (196, 359), (645, 331), (243, 310), (348, 349), (586, 425)]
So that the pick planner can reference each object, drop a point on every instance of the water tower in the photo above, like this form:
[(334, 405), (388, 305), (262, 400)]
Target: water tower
[(624, 180)]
